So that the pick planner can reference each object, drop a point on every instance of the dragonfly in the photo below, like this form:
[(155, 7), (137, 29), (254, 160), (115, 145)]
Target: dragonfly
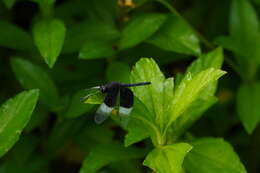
[(116, 94)]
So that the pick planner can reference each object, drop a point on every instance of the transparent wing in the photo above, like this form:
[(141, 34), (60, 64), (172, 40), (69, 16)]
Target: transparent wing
[(102, 113), (106, 108)]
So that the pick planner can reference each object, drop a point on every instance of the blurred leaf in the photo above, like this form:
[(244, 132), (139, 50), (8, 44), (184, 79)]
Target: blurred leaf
[(14, 115), (95, 135), (102, 10), (14, 37), (103, 155), (76, 106), (118, 71), (94, 49), (62, 132), (31, 76), (44, 3), (9, 3), (129, 166), (78, 34), (167, 159), (248, 99), (244, 36), (140, 28), (38, 117), (176, 35), (49, 36), (243, 22), (213, 155)]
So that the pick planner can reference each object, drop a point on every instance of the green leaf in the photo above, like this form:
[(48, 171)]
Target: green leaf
[(213, 59), (140, 28), (76, 106), (156, 97), (14, 37), (103, 155), (14, 115), (9, 3), (140, 126), (206, 98), (191, 115), (49, 36), (244, 36), (146, 70), (89, 31), (94, 49), (177, 36), (167, 159), (118, 71), (213, 155), (243, 22), (190, 89), (31, 76), (248, 99)]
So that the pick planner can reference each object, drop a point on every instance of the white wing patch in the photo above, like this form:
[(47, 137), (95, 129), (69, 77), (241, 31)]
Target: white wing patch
[(102, 113), (124, 111), (124, 115)]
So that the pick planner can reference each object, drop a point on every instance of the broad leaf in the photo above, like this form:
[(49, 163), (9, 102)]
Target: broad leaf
[(89, 31), (103, 155), (140, 125), (190, 89), (14, 115), (190, 116), (205, 100), (248, 109), (243, 22), (176, 35), (167, 159), (31, 76), (49, 36), (118, 71), (94, 49), (14, 37), (146, 70), (213, 155), (244, 36), (140, 28)]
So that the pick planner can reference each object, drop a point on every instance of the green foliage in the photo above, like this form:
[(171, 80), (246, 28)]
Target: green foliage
[(112, 152), (91, 43), (14, 37), (49, 36), (14, 115), (140, 28), (248, 98), (216, 155), (31, 76), (167, 159), (175, 35)]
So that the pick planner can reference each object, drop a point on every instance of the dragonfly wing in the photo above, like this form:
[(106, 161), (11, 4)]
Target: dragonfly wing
[(126, 104), (102, 113), (106, 108)]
